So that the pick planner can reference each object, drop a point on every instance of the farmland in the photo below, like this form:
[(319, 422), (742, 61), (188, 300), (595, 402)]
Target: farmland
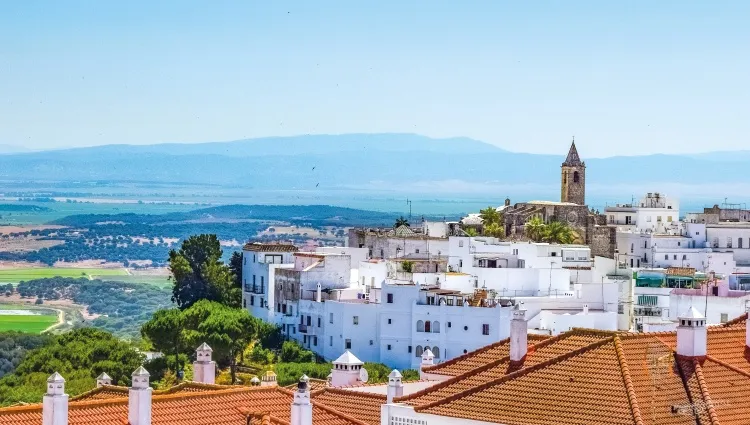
[(20, 274), (29, 321)]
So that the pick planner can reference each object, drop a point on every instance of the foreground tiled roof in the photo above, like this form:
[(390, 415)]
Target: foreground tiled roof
[(108, 392), (229, 406), (360, 405), (594, 377), (313, 384), (477, 358)]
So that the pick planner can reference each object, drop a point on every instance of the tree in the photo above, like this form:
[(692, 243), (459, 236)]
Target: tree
[(471, 232), (198, 273), (235, 266), (494, 230), (558, 232), (401, 221), (535, 229), (227, 330), (165, 331), (292, 352), (490, 215)]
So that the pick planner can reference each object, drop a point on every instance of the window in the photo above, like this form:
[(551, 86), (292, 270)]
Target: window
[(684, 257), (389, 321), (436, 327), (330, 341), (460, 263), (631, 248), (330, 317), (389, 299), (729, 242), (449, 324), (409, 349), (436, 351), (309, 320), (648, 219), (461, 243), (348, 344), (318, 321), (576, 177), (427, 326), (371, 342), (356, 320), (420, 326), (485, 329), (294, 329), (381, 254), (515, 251), (244, 303), (416, 251), (666, 256), (739, 242), (669, 219), (645, 244), (628, 220), (466, 328), (253, 279), (650, 300), (254, 260), (244, 262), (389, 347), (262, 278), (304, 339), (252, 300), (674, 257), (724, 317), (315, 341), (418, 352)]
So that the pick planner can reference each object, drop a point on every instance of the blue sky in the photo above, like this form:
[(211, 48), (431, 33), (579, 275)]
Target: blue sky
[(624, 77)]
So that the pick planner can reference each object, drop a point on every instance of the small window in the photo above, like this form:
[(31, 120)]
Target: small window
[(684, 257), (389, 321), (315, 341), (485, 329), (465, 351), (356, 320), (461, 243), (449, 324), (309, 320), (371, 342), (330, 317), (409, 349), (416, 251), (418, 351), (436, 352), (389, 299), (420, 326), (252, 300), (330, 341), (675, 257), (318, 321), (724, 317), (554, 253), (348, 344), (253, 279), (244, 303), (389, 347), (428, 326), (666, 256), (466, 328), (244, 262)]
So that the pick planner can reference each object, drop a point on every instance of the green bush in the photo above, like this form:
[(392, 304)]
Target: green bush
[(292, 352)]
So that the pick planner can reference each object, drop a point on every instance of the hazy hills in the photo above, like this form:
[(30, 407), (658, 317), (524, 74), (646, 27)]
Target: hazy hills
[(355, 161)]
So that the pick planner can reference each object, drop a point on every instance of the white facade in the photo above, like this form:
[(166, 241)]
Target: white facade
[(259, 268), (654, 212)]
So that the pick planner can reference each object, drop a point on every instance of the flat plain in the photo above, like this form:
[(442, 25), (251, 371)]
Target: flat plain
[(19, 274)]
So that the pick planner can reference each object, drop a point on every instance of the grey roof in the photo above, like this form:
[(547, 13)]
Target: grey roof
[(573, 159)]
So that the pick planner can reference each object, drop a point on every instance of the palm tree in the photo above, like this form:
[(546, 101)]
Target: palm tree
[(490, 215), (535, 228), (559, 232), (401, 221), (494, 229)]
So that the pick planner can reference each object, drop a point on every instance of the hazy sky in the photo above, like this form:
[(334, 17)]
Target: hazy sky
[(624, 77)]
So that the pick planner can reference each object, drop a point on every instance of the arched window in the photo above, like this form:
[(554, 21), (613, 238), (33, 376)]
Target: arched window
[(418, 351), (436, 351), (420, 326), (427, 327), (576, 178), (436, 327)]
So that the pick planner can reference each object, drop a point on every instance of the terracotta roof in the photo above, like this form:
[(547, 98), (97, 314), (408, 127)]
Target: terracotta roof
[(312, 383), (269, 247), (108, 392), (617, 378), (477, 358), (229, 406), (360, 405)]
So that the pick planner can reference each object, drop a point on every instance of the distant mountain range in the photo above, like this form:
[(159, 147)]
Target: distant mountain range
[(357, 161)]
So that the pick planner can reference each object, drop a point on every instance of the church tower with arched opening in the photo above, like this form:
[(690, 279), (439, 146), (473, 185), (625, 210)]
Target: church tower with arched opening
[(573, 184)]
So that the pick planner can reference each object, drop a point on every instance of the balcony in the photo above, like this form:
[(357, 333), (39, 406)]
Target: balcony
[(302, 328), (255, 289)]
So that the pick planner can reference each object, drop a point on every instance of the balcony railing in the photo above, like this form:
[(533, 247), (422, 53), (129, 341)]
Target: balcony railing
[(255, 289), (302, 328)]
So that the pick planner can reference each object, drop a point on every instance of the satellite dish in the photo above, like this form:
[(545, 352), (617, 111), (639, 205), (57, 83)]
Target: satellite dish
[(363, 375)]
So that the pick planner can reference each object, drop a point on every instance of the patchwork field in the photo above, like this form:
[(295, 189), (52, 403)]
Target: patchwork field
[(30, 321), (162, 281), (15, 275)]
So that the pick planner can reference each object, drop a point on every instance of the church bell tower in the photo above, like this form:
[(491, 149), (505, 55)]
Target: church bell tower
[(573, 187)]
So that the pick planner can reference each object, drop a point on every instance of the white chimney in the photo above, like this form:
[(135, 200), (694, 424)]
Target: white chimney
[(395, 386), (55, 402), (139, 399), (585, 309), (103, 380), (318, 293), (204, 369), (428, 359), (691, 334), (301, 406), (747, 329), (347, 370), (518, 335)]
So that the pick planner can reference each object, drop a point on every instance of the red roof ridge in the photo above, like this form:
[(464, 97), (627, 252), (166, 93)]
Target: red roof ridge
[(336, 412), (343, 391), (514, 375), (97, 390), (265, 418), (467, 355), (629, 388), (728, 366), (704, 392), (735, 321)]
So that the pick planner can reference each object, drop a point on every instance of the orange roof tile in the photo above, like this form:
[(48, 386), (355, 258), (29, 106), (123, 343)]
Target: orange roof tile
[(359, 405), (219, 407), (477, 358)]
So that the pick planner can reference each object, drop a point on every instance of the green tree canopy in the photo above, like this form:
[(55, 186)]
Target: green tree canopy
[(198, 273), (535, 229), (235, 266), (490, 215), (558, 232)]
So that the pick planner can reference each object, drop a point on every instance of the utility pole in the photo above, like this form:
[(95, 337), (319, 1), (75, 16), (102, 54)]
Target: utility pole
[(408, 201)]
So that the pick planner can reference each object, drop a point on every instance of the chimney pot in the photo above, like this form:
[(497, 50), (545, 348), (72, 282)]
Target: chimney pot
[(301, 406), (139, 398), (518, 335), (395, 386), (691, 334), (204, 369), (55, 402)]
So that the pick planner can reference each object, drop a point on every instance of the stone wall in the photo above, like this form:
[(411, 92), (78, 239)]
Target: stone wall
[(603, 241)]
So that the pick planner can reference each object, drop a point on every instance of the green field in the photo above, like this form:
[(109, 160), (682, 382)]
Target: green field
[(15, 275), (161, 281), (30, 323)]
